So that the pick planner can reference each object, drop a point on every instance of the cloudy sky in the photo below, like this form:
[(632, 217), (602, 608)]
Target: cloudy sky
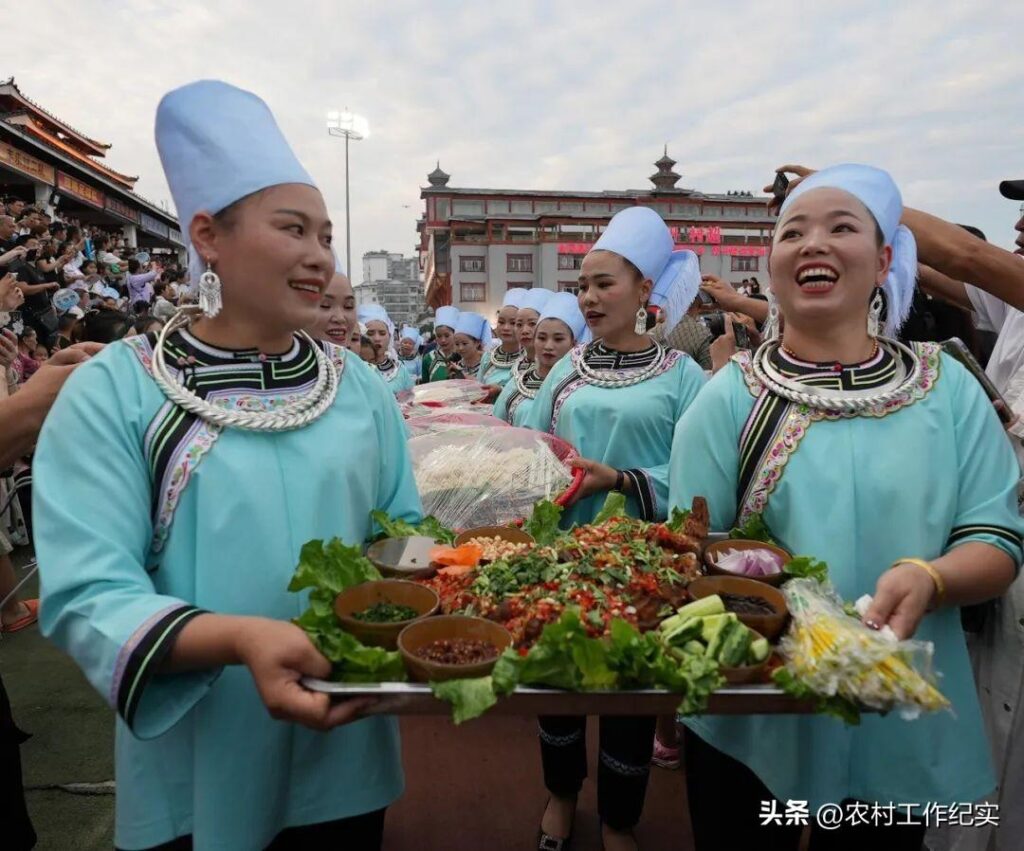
[(560, 95)]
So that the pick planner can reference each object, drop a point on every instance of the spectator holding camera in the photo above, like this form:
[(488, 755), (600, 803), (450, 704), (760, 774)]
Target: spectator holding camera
[(140, 282)]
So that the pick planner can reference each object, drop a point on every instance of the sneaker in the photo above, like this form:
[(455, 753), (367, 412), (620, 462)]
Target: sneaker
[(664, 756)]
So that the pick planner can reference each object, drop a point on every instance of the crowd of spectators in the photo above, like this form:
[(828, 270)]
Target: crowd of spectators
[(61, 275)]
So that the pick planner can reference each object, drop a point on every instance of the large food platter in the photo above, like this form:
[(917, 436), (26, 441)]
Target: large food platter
[(417, 699)]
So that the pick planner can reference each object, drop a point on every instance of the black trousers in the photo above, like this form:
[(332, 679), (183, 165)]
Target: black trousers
[(15, 825), (725, 805), (624, 763), (359, 833)]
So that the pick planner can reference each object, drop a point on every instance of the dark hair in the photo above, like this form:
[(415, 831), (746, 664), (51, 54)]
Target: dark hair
[(144, 322), (65, 321), (104, 326), (139, 307), (27, 331), (366, 341), (159, 287), (133, 266), (978, 232), (74, 234), (24, 238)]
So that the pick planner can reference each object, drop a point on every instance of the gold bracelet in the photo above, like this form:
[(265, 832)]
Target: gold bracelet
[(932, 571)]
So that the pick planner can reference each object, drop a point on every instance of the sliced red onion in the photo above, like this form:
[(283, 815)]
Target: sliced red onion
[(757, 562)]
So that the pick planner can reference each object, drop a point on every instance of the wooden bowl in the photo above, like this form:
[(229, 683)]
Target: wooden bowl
[(748, 673), (712, 552), (421, 633), (770, 626), (403, 558), (505, 533), (359, 597)]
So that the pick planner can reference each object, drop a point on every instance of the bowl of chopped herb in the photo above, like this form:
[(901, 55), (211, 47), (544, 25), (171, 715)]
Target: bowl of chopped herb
[(375, 612)]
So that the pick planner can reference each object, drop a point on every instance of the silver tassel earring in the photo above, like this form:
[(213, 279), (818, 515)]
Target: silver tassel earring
[(640, 326), (875, 313), (773, 325), (210, 292)]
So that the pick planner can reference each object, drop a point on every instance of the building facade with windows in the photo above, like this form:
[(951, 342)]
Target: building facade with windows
[(477, 243), (392, 281), (46, 162)]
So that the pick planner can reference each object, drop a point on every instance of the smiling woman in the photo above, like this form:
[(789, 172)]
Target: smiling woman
[(616, 400), (831, 436), (227, 442)]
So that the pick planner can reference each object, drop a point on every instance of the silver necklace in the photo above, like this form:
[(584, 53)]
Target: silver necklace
[(844, 401), (292, 415), (520, 379), (389, 374), (615, 378)]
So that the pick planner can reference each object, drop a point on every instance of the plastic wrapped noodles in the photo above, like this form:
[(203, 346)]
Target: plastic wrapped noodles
[(835, 654), (485, 477), (438, 421), (455, 391)]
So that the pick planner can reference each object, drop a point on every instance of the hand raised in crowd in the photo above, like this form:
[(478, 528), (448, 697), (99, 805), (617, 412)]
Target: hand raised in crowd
[(721, 291), (799, 172), (723, 348), (15, 253), (748, 323), (726, 346), (278, 654), (8, 348), (902, 597), (11, 298)]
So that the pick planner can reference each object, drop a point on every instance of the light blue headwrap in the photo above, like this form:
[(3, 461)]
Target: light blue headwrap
[(514, 297), (375, 313), (536, 299), (476, 326), (218, 144), (447, 316), (565, 306), (410, 333), (877, 191), (641, 236)]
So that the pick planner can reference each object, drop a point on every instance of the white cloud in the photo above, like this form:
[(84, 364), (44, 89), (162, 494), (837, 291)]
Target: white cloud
[(565, 95)]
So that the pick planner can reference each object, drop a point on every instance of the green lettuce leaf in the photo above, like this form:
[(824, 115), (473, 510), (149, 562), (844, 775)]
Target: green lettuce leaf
[(332, 567), (804, 567), (754, 529), (469, 698), (395, 527), (543, 523), (614, 506), (328, 569), (678, 519), (353, 661), (838, 707), (505, 675)]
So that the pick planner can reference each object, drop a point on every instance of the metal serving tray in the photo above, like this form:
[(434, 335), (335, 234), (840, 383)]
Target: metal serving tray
[(417, 699)]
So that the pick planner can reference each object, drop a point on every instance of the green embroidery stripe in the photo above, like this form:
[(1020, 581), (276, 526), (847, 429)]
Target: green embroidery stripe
[(280, 372), (164, 432), (143, 672)]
